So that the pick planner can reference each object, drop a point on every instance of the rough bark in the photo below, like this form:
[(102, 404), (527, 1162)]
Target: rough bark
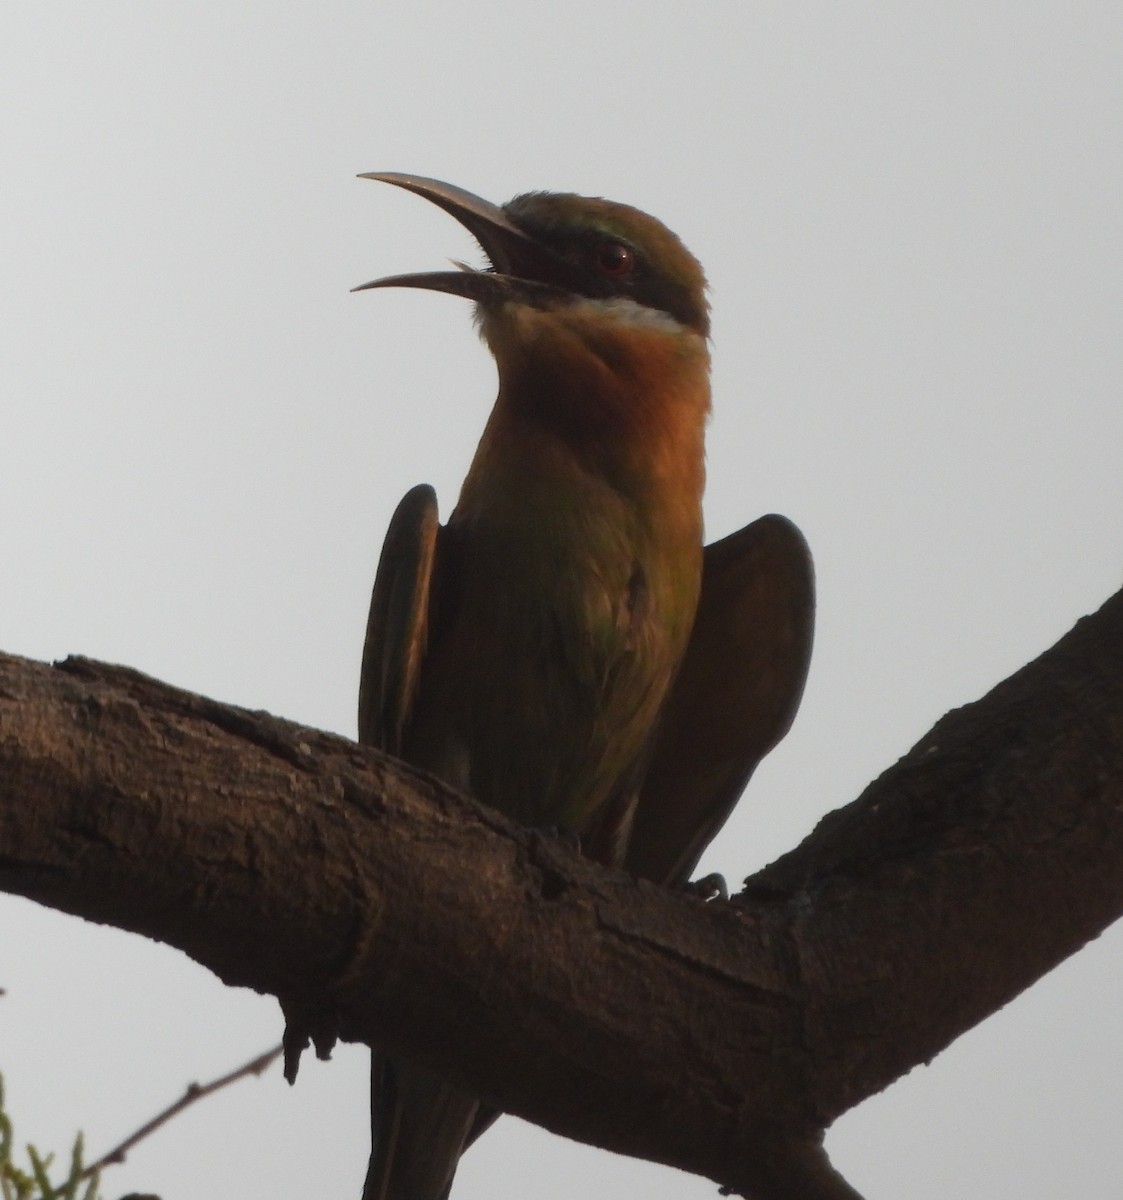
[(722, 1038)]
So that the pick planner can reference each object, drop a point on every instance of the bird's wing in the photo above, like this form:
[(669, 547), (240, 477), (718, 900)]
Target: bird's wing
[(418, 1122), (399, 618), (734, 698)]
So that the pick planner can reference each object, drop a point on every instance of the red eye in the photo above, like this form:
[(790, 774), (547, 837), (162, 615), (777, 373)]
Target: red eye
[(615, 259)]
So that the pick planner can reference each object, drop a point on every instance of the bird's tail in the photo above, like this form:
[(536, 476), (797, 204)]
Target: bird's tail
[(419, 1125)]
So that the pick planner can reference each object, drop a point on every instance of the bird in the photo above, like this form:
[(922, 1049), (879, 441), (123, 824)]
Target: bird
[(541, 650)]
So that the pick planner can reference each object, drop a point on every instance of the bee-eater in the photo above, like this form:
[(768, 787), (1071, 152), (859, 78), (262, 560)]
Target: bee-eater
[(525, 651)]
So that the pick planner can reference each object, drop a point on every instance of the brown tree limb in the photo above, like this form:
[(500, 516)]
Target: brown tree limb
[(721, 1038)]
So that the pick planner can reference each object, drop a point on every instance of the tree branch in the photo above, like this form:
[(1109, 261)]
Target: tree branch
[(194, 1093), (379, 906)]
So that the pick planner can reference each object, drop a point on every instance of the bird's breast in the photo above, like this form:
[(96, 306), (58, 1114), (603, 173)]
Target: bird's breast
[(571, 592), (569, 614)]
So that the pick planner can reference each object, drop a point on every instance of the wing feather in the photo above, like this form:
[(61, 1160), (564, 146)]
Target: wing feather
[(398, 624), (734, 698)]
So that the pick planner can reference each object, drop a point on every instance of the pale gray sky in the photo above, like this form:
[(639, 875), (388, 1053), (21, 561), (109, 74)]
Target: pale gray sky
[(912, 220)]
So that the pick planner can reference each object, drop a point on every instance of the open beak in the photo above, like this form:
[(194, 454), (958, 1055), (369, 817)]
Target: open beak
[(521, 268)]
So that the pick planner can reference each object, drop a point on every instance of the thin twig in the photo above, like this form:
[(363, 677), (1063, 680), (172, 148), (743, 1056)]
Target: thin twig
[(195, 1091)]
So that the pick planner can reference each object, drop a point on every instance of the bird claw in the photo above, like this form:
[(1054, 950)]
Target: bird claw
[(709, 887)]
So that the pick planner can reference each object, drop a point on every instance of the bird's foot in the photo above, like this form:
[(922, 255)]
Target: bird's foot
[(561, 834), (709, 887)]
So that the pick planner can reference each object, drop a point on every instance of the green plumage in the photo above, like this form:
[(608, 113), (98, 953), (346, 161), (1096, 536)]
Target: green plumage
[(525, 651)]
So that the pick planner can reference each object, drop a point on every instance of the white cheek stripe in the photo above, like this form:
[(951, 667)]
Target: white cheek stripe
[(627, 312)]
